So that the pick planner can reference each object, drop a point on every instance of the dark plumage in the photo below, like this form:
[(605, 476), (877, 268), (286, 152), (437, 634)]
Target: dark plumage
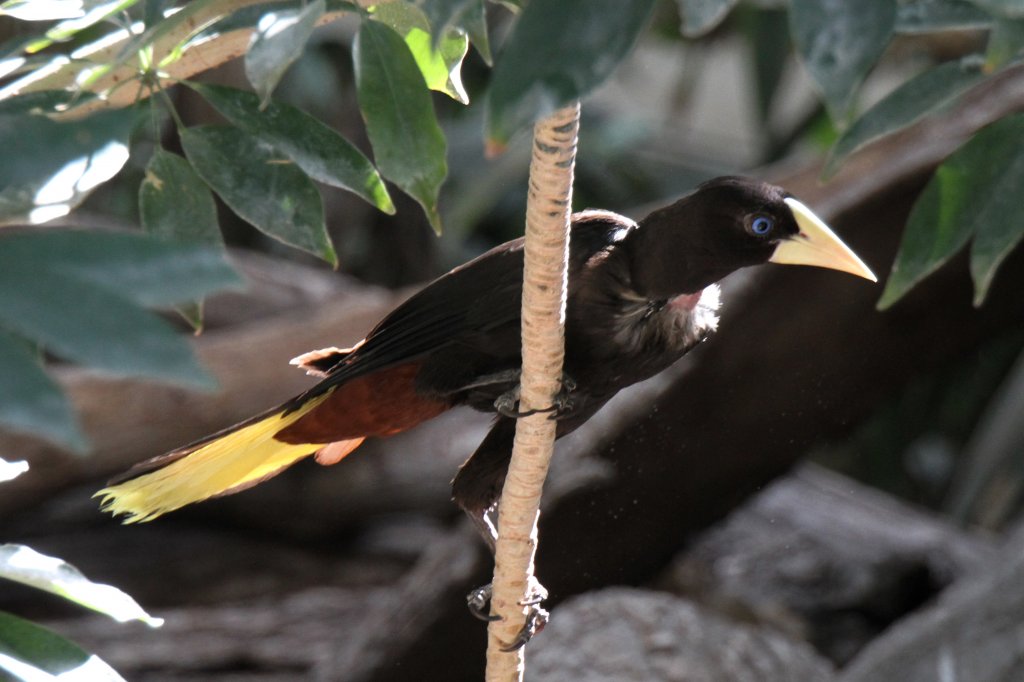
[(640, 296)]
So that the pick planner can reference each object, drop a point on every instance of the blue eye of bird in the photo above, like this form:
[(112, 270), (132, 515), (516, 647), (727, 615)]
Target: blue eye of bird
[(762, 225)]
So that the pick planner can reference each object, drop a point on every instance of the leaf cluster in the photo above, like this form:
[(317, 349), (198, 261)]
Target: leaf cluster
[(66, 126), (65, 137)]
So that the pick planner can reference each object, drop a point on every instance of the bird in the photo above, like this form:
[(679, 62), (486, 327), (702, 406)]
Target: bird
[(640, 296)]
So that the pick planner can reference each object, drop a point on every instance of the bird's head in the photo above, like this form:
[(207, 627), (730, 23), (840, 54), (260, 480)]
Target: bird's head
[(726, 224)]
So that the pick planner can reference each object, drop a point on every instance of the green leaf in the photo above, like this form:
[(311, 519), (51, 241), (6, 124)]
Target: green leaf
[(470, 15), (50, 167), (11, 470), (976, 191), (175, 203), (838, 42), (26, 566), (153, 12), (1005, 42), (78, 295), (314, 147), (999, 225), (31, 402), (441, 67), (278, 42), (474, 21), (930, 16), (557, 53), (407, 141), (702, 16), (136, 267), (30, 652), (85, 323), (1011, 9), (441, 15), (911, 101), (261, 184), (763, 27), (44, 101)]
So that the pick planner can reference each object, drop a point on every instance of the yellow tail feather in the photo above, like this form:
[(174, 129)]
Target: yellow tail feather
[(232, 462)]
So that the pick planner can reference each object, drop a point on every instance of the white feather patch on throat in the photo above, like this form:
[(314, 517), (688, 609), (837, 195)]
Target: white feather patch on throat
[(704, 316)]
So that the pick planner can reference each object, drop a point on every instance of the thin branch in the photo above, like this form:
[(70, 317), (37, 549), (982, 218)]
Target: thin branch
[(544, 297)]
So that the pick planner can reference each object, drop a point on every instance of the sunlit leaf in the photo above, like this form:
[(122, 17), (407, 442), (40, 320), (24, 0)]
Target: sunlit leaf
[(248, 17), (175, 203), (441, 67), (26, 566), (278, 42), (314, 147), (11, 470), (928, 16), (1005, 42), (911, 101), (557, 53), (186, 15), (701, 16), (32, 653), (408, 144), (1011, 9), (50, 167), (839, 41), (67, 29), (45, 10), (261, 184), (32, 402), (975, 192)]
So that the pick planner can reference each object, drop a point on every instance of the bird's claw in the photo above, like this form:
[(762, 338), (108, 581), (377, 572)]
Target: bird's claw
[(536, 617), (478, 600), (507, 402)]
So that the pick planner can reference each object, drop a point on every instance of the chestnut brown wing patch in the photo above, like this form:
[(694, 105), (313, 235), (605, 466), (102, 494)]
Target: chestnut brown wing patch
[(382, 403)]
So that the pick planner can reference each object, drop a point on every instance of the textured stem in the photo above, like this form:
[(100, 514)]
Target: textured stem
[(544, 296)]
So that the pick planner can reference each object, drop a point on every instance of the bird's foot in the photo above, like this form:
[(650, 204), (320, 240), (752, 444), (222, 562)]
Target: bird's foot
[(536, 617), (478, 602), (507, 403)]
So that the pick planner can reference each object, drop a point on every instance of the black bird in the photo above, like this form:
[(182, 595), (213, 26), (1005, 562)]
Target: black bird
[(640, 296)]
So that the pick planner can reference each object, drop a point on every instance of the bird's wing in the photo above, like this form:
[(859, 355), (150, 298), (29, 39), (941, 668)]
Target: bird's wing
[(454, 309)]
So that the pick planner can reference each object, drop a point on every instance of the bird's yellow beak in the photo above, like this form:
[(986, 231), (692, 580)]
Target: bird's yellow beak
[(817, 245)]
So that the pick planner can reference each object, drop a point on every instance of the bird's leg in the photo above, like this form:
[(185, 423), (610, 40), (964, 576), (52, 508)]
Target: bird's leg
[(506, 403), (479, 599)]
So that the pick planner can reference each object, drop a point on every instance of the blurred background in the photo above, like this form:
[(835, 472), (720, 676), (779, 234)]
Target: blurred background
[(821, 491)]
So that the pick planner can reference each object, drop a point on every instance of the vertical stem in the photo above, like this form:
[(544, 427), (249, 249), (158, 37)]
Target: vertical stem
[(543, 338)]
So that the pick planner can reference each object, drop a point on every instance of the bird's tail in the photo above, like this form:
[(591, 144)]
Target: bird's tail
[(224, 463)]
